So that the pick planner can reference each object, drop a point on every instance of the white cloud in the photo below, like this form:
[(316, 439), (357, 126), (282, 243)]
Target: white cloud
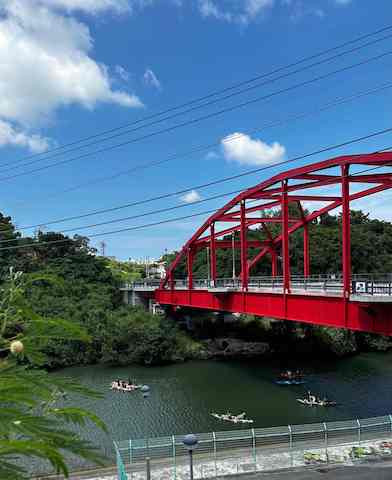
[(46, 63), (343, 2), (10, 136), (151, 80), (245, 11), (191, 197), (89, 6), (244, 150)]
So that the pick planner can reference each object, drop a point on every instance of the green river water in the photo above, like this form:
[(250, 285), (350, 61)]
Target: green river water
[(183, 395)]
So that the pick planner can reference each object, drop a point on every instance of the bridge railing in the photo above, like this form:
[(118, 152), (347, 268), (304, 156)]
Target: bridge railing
[(145, 283), (258, 449), (362, 284)]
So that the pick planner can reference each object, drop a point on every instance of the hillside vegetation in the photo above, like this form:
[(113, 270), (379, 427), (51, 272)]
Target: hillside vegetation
[(88, 295)]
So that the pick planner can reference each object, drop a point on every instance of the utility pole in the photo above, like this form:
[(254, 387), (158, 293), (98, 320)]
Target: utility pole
[(103, 247)]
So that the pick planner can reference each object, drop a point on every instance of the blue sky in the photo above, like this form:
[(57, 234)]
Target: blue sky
[(73, 68)]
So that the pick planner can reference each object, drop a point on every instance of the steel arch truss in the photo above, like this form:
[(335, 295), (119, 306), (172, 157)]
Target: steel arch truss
[(303, 187)]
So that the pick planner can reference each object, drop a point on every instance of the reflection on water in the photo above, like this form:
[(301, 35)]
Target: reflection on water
[(183, 395)]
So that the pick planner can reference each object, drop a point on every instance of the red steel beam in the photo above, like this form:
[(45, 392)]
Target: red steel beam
[(378, 159), (317, 177), (313, 198), (346, 241), (322, 211), (306, 241), (244, 248), (190, 268), (375, 178), (213, 253), (223, 244), (257, 208), (285, 238)]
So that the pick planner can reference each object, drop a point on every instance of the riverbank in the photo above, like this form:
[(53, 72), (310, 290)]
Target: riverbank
[(231, 336), (143, 339)]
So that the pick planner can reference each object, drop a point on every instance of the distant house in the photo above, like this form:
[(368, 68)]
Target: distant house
[(157, 270)]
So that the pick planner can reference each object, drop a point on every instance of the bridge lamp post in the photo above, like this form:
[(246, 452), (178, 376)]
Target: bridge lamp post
[(145, 391), (190, 443)]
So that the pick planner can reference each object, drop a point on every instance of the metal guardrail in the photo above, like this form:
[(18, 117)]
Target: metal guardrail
[(258, 449), (362, 284)]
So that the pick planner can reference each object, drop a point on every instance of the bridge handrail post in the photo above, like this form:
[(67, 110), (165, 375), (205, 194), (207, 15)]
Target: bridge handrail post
[(254, 448), (214, 439), (174, 457), (326, 441), (130, 451), (291, 444), (359, 432)]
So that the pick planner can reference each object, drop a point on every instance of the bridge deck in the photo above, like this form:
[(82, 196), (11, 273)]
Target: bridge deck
[(317, 301)]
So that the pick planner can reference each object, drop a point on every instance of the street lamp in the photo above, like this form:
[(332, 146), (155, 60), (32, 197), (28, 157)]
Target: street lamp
[(146, 393), (190, 443)]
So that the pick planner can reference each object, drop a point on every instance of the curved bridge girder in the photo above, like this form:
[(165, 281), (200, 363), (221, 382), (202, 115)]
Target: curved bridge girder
[(279, 191)]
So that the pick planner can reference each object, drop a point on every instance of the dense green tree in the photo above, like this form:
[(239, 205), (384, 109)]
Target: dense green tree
[(33, 414)]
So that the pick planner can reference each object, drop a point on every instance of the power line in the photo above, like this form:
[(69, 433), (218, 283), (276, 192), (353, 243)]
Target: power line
[(128, 229), (199, 119), (123, 230), (217, 92), (212, 102), (180, 206), (140, 215), (205, 147), (208, 184)]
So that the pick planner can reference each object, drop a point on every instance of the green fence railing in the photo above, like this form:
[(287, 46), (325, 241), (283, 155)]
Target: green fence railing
[(258, 449)]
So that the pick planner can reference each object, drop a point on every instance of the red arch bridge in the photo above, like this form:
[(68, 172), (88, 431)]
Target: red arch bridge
[(344, 300)]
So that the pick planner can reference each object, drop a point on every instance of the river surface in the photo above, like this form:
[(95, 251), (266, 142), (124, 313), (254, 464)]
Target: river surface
[(183, 395)]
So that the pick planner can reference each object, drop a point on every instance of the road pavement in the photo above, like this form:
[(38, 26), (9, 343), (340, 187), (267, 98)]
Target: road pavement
[(377, 471)]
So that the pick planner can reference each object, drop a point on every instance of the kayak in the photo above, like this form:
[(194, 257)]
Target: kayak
[(290, 382), (127, 388), (291, 375), (316, 403), (232, 418)]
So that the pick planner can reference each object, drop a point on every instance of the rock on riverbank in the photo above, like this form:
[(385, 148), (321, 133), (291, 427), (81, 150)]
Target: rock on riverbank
[(234, 348)]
